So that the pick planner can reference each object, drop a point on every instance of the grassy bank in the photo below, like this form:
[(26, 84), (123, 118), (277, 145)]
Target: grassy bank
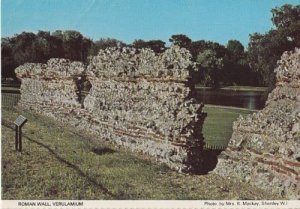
[(217, 128), (238, 88), (246, 88), (58, 162)]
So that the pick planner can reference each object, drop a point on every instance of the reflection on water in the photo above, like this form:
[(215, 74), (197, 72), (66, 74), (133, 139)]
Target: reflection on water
[(246, 99), (250, 104)]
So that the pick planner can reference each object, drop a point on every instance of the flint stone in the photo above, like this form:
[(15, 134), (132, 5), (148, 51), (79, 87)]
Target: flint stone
[(138, 100), (271, 138)]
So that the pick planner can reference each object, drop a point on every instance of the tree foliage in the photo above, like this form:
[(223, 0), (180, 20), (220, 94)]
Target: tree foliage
[(157, 46), (30, 47), (235, 50), (265, 49), (7, 58), (287, 21), (218, 64), (181, 40), (104, 43), (210, 66), (238, 71)]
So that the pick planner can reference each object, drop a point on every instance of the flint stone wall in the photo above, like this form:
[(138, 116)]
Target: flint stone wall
[(138, 100), (264, 149), (50, 88)]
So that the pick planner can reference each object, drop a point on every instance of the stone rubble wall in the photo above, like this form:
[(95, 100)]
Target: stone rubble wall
[(51, 87), (264, 149), (139, 100)]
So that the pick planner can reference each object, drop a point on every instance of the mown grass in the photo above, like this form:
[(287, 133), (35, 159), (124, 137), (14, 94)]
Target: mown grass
[(57, 162), (217, 127), (246, 88), (237, 88)]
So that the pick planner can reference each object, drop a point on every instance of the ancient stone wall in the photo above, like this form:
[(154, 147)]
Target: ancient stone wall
[(264, 149), (50, 88), (138, 100)]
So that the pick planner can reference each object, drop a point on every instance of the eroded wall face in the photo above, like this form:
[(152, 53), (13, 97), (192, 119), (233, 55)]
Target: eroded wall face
[(50, 89), (264, 149), (138, 100)]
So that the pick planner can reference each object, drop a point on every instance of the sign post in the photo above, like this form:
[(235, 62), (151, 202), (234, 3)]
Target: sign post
[(19, 122)]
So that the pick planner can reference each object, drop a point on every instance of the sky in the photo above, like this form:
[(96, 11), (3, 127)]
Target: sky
[(127, 20)]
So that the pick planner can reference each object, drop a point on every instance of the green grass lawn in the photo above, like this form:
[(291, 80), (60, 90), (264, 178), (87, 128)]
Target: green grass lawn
[(58, 162), (238, 88), (217, 128), (245, 88)]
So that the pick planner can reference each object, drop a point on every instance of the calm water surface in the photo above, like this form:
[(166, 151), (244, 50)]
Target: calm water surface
[(252, 100)]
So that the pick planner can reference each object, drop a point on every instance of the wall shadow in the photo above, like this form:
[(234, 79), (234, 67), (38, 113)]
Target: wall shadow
[(83, 86), (210, 160), (102, 151)]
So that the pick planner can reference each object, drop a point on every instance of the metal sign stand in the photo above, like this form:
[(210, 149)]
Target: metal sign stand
[(19, 122)]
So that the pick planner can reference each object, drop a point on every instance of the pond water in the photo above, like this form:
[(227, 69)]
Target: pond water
[(253, 100)]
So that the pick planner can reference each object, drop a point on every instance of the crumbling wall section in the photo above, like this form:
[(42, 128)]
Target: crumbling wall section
[(143, 99), (139, 100), (264, 149), (50, 88)]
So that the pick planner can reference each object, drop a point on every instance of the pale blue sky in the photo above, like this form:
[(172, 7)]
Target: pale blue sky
[(127, 20)]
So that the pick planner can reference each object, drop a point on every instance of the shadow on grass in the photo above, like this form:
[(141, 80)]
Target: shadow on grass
[(70, 165), (102, 151)]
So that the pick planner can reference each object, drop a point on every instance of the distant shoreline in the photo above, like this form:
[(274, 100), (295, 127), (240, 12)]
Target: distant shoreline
[(237, 88)]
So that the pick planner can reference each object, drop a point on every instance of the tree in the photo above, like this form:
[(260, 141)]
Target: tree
[(56, 45), (157, 46), (7, 61), (72, 43), (237, 70), (22, 46), (104, 43), (287, 21), (87, 45), (263, 53), (181, 40), (196, 47), (210, 67), (265, 49), (41, 46), (139, 44), (212, 61), (235, 50), (16, 51)]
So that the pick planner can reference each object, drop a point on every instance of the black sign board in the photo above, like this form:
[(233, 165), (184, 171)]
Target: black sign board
[(20, 121)]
